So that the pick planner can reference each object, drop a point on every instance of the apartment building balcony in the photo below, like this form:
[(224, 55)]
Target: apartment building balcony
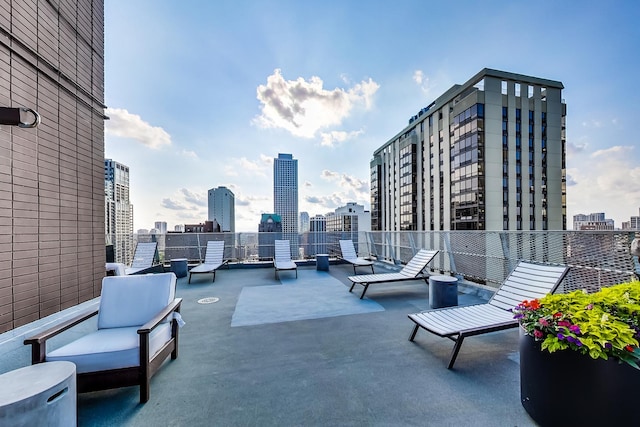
[(257, 351)]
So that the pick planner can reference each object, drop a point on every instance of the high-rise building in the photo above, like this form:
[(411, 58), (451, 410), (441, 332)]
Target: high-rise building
[(285, 197), (348, 221), (593, 221), (222, 208), (52, 180), (317, 235), (118, 211), (486, 155), (304, 222)]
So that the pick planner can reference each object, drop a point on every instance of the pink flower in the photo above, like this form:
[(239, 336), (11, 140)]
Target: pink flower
[(543, 321), (564, 323), (537, 334)]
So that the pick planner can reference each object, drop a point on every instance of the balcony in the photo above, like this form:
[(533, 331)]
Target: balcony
[(266, 363)]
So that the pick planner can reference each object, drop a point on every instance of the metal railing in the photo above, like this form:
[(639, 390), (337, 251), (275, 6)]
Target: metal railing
[(596, 258)]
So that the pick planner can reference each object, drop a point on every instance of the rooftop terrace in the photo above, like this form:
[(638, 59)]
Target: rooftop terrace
[(260, 351), (308, 352)]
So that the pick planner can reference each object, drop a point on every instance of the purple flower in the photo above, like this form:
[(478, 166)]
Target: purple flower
[(575, 329), (607, 345), (574, 340), (560, 336), (518, 316)]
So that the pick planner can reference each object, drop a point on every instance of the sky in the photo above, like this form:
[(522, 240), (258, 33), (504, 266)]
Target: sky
[(202, 93)]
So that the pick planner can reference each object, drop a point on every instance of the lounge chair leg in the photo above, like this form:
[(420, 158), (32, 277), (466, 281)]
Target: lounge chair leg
[(366, 285), (214, 276), (354, 269), (413, 334), (352, 285), (189, 278), (454, 353), (372, 272)]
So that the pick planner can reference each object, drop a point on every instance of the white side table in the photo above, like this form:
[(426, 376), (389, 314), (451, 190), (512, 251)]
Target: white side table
[(38, 395)]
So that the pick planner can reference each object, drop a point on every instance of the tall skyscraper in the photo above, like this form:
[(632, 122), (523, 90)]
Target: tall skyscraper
[(486, 155), (222, 208), (52, 180), (118, 210), (304, 222), (285, 197)]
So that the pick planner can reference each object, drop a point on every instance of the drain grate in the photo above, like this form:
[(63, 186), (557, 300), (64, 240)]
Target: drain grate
[(208, 300)]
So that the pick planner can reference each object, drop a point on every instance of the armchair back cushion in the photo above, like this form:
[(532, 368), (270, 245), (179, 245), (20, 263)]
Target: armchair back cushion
[(128, 301)]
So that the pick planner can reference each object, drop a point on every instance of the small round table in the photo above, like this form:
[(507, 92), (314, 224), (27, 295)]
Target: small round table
[(179, 267), (322, 262), (443, 291), (41, 394)]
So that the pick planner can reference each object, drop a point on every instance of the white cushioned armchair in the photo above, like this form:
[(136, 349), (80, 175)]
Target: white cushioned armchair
[(138, 320)]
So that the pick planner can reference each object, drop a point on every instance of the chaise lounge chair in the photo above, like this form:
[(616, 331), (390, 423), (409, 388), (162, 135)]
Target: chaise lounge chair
[(213, 259), (145, 256), (282, 258), (349, 254), (138, 321), (527, 281), (411, 271)]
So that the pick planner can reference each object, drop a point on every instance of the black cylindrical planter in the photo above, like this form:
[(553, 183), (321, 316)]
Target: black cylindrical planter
[(568, 388)]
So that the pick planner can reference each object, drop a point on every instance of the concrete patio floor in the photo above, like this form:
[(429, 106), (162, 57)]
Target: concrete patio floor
[(345, 370)]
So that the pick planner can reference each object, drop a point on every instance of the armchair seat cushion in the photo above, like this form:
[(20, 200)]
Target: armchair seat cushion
[(111, 348)]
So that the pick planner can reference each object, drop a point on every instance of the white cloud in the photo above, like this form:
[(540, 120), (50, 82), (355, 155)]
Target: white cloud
[(303, 107), (330, 139), (189, 153), (351, 189), (123, 124), (199, 199), (422, 80), (244, 166), (605, 181)]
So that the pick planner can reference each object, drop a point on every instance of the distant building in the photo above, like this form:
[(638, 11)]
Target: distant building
[(269, 230), (593, 221), (118, 211), (179, 228), (632, 224), (285, 197), (221, 202), (205, 227), (161, 227), (317, 235), (304, 222), (486, 155), (348, 221)]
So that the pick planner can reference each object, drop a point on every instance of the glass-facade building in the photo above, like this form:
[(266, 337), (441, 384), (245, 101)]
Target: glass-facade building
[(486, 155), (221, 208), (118, 211), (285, 197)]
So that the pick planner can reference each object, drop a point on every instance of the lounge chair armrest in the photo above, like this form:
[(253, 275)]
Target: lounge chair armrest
[(38, 342), (157, 319)]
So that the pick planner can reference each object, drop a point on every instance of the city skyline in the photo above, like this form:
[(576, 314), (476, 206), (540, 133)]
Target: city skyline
[(271, 77)]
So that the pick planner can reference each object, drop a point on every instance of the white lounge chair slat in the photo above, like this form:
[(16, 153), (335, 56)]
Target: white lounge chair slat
[(527, 281), (411, 271), (213, 259)]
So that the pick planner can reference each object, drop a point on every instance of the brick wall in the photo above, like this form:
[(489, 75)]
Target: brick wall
[(52, 248)]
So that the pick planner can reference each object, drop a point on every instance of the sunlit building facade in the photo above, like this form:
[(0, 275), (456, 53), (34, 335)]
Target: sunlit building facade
[(118, 211), (486, 155), (285, 197)]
